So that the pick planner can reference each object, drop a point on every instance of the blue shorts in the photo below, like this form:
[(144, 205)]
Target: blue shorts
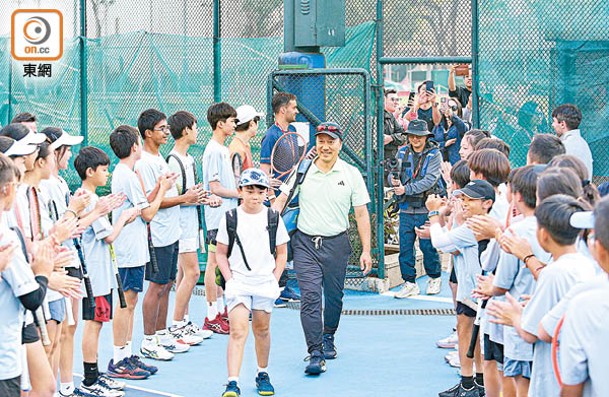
[(167, 262), (512, 368), (132, 278), (57, 309)]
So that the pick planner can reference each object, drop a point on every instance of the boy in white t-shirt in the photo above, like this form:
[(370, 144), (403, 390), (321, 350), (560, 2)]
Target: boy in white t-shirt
[(556, 236), (92, 167), (183, 127), (251, 266)]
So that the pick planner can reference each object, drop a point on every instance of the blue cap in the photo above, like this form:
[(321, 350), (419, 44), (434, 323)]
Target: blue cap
[(254, 177)]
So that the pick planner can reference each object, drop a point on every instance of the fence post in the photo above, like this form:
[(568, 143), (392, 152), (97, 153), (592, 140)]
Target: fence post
[(217, 54), (378, 89), (84, 113), (475, 79)]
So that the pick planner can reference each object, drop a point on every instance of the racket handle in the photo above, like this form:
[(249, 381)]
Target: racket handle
[(89, 290), (69, 312), (121, 292), (42, 326), (472, 342)]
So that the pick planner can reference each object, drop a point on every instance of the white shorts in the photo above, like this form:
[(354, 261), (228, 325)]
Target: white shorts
[(188, 245), (259, 296)]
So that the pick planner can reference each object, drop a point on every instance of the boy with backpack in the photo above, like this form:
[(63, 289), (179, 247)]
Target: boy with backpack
[(251, 254), (183, 128), (92, 167)]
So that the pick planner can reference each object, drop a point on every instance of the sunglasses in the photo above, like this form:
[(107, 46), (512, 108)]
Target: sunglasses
[(331, 128)]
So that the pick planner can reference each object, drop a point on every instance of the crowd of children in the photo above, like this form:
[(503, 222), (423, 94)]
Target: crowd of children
[(529, 246)]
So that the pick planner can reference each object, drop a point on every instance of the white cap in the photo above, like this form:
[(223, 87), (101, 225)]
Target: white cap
[(33, 138), (66, 139), (582, 220), (20, 149), (246, 113)]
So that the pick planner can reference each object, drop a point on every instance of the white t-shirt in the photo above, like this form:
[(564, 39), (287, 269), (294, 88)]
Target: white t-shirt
[(553, 283), (165, 226), (583, 342), (57, 191), (254, 236), (97, 252), (189, 222), (216, 168), (17, 280), (131, 246)]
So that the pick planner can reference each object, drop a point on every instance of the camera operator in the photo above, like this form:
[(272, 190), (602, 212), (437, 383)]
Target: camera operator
[(393, 132), (419, 176)]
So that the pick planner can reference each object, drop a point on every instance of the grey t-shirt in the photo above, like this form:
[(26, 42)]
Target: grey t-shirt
[(131, 246), (217, 168), (165, 226)]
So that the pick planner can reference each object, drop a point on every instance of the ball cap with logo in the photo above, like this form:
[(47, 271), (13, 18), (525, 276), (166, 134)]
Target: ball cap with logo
[(246, 113), (331, 129), (477, 190)]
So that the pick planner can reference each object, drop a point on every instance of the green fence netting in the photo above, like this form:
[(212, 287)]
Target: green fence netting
[(536, 55)]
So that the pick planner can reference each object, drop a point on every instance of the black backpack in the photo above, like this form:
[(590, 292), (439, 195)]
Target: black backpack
[(233, 237)]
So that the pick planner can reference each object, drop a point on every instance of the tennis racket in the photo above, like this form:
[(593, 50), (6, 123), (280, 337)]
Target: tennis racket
[(476, 329), (237, 166), (556, 350), (119, 282), (42, 325), (287, 153), (85, 274)]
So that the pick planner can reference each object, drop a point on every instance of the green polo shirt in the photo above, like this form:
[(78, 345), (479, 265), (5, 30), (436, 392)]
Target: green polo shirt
[(325, 199)]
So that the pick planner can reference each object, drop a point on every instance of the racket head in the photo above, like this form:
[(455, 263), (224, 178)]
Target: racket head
[(237, 164), (556, 350), (287, 152)]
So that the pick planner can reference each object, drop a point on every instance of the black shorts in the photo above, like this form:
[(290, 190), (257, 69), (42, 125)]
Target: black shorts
[(453, 276), (29, 334), (167, 261), (10, 387), (465, 310), (492, 350), (74, 272), (103, 309)]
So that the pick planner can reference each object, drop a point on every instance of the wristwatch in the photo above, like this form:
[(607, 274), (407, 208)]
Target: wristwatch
[(433, 213)]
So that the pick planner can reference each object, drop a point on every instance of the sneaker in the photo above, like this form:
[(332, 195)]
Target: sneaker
[(125, 369), (433, 286), (99, 389), (216, 325), (481, 389), (329, 347), (289, 295), (280, 303), (156, 352), (172, 345), (263, 384), (408, 289), (455, 361), (460, 391), (232, 390), (451, 355), (183, 336), (449, 342), (135, 360), (111, 383), (317, 363), (194, 329), (224, 315)]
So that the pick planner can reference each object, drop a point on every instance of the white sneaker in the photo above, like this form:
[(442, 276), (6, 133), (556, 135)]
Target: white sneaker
[(155, 351), (408, 289), (99, 388), (451, 355), (449, 342), (194, 329), (112, 383), (433, 286), (454, 361), (173, 345), (183, 336)]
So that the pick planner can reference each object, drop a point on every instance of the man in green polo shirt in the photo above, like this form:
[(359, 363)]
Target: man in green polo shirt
[(321, 246)]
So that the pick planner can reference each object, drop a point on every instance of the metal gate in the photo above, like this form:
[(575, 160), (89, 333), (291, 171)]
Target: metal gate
[(342, 96)]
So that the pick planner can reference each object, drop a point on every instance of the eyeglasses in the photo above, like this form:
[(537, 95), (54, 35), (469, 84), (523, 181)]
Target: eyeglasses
[(331, 128), (163, 128)]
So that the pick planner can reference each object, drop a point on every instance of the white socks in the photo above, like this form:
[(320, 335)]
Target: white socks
[(262, 369), (212, 310), (66, 389), (120, 352)]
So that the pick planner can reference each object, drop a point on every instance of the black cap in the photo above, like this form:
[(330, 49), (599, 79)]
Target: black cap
[(478, 190), (330, 128), (417, 127)]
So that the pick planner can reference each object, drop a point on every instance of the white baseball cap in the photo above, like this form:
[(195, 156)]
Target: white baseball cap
[(61, 138), (20, 149), (33, 138), (582, 220), (246, 113)]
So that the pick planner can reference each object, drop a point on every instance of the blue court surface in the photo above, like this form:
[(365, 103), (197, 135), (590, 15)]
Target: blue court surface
[(378, 353)]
